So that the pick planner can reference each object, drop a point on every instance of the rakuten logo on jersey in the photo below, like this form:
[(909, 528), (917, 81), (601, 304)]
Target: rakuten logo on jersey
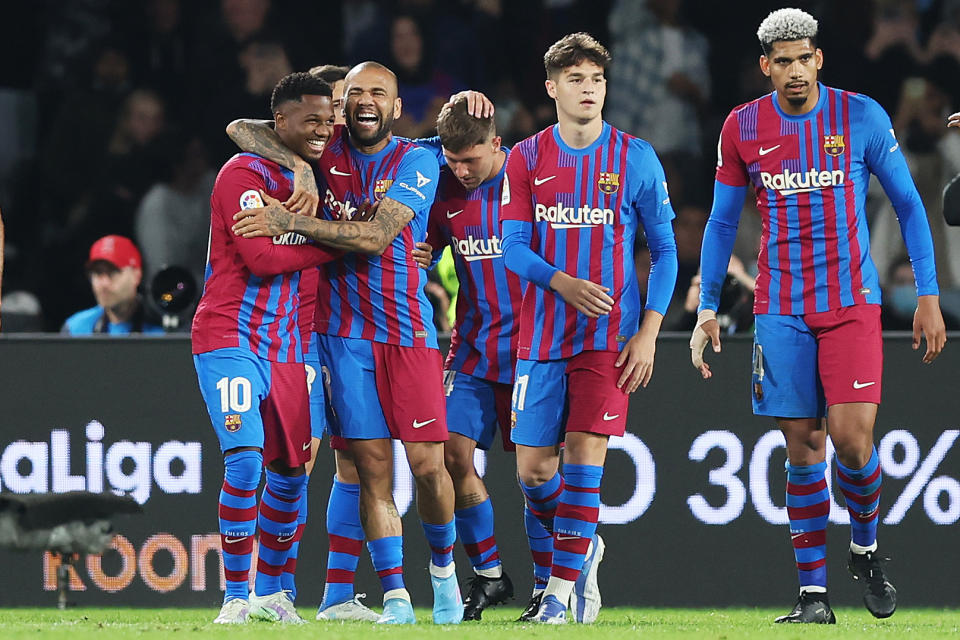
[(290, 238), (339, 210), (563, 217), (790, 182), (472, 248)]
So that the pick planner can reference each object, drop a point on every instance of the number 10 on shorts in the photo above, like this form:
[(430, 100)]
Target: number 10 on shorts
[(235, 394)]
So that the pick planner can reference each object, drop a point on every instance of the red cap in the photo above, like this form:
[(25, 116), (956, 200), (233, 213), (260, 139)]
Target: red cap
[(117, 250)]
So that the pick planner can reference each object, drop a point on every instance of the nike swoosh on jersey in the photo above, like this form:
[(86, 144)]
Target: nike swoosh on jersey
[(764, 152), (417, 424), (860, 385), (452, 214), (539, 181), (334, 171)]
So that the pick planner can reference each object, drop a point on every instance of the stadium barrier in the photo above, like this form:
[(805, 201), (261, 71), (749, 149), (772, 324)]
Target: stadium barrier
[(693, 507)]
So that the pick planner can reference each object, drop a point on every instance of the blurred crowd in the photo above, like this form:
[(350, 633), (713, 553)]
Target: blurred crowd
[(112, 113)]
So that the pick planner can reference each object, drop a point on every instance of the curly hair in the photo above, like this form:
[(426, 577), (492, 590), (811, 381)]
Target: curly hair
[(293, 87), (786, 24)]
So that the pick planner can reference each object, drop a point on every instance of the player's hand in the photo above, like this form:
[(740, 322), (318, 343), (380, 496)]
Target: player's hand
[(478, 105), (270, 220), (954, 120), (589, 298), (707, 330), (366, 212), (928, 320), (636, 358), (305, 198), (422, 254)]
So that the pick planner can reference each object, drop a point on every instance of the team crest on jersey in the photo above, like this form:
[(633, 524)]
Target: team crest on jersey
[(833, 145), (232, 422), (250, 199), (381, 187), (608, 182)]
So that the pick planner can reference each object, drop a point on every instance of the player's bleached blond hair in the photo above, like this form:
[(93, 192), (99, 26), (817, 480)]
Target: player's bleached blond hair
[(786, 24)]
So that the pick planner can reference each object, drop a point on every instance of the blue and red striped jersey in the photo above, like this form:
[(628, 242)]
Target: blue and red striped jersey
[(484, 338), (378, 298), (585, 206), (810, 174), (258, 293)]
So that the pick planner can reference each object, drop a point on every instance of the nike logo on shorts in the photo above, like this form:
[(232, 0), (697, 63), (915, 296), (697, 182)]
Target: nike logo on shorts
[(306, 446), (417, 424), (860, 385), (607, 417)]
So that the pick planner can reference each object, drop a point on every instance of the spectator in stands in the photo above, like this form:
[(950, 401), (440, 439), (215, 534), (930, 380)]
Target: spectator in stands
[(162, 53), (659, 84), (126, 172), (115, 271), (173, 220), (423, 88)]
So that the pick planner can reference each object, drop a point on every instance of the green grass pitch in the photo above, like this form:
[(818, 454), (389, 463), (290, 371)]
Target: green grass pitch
[(498, 624)]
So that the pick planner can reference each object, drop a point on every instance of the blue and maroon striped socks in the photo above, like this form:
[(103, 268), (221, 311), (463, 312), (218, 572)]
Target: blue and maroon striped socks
[(808, 507)]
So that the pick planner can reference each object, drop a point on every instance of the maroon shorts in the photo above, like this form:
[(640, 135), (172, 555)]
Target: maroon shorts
[(596, 404), (849, 353), (410, 387), (286, 415)]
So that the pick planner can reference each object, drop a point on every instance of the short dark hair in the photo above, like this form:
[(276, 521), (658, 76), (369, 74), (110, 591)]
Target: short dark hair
[(459, 130), (330, 72), (571, 50), (293, 87)]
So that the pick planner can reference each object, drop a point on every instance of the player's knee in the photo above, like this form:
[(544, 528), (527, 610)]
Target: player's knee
[(853, 454), (459, 463), (242, 469), (428, 468), (536, 470)]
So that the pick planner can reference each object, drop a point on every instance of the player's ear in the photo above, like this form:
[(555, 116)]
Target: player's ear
[(397, 107), (280, 121), (819, 57), (496, 142), (765, 65), (551, 88)]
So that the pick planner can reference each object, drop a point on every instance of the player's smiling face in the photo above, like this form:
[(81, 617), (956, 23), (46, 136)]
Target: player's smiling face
[(579, 91), (792, 66), (306, 126), (475, 164), (371, 105)]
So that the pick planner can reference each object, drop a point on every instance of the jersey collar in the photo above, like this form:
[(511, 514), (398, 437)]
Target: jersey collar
[(813, 112), (604, 135)]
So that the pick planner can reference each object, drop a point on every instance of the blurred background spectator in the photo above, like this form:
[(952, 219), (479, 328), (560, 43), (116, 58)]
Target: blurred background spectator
[(112, 113), (115, 272)]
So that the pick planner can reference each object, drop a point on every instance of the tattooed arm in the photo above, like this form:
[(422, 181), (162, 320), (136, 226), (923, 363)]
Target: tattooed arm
[(371, 237), (258, 136)]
